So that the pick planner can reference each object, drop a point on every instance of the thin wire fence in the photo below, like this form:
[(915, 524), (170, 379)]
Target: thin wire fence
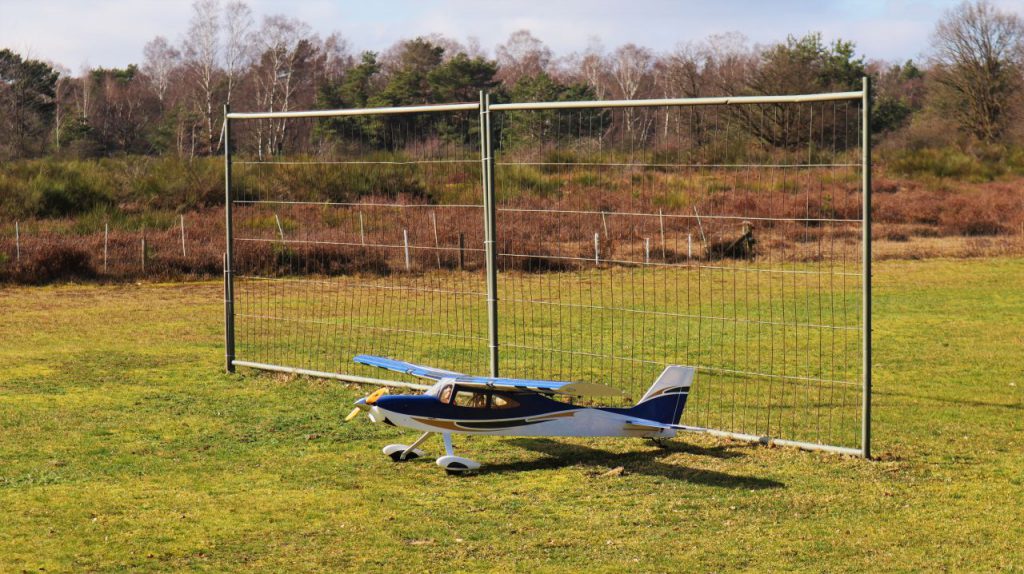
[(163, 246)]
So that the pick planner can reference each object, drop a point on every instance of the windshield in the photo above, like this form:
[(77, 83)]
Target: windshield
[(470, 399), (445, 396)]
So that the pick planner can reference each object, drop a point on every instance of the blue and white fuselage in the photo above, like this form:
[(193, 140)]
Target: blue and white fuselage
[(462, 404), (522, 413)]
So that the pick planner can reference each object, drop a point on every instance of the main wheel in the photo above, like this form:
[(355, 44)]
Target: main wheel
[(457, 464), (397, 456), (456, 468)]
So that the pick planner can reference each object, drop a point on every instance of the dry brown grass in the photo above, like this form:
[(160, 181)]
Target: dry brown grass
[(544, 232)]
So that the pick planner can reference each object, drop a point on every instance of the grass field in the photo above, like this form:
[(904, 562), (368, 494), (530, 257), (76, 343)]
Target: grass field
[(124, 447)]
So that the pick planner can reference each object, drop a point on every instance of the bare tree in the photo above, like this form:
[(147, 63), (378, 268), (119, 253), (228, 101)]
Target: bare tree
[(287, 47), (451, 46), (237, 52), (161, 58), (977, 60), (63, 102), (474, 49), (721, 64), (122, 107), (728, 63), (522, 55), (201, 51), (631, 68), (592, 67), (337, 58)]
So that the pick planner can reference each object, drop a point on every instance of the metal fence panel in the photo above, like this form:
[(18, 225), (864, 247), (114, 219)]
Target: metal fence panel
[(357, 234), (719, 234), (572, 240)]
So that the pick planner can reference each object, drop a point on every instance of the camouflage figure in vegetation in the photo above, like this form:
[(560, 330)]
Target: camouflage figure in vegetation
[(740, 248)]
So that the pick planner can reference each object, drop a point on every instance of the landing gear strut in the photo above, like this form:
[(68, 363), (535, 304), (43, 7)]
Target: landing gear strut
[(450, 463), (402, 453), (454, 464)]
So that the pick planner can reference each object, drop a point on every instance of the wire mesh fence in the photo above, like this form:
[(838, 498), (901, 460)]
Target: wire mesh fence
[(722, 234), (719, 236), (370, 239)]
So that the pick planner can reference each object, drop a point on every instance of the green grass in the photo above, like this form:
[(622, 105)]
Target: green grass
[(123, 447), (614, 325)]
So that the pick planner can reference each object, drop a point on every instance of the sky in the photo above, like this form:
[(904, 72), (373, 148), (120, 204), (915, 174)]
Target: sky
[(112, 33)]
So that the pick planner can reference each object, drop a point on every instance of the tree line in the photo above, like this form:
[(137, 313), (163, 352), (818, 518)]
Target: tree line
[(966, 92)]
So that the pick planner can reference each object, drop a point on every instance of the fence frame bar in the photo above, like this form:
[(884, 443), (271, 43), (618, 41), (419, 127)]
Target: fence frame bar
[(229, 281), (866, 280), (796, 99), (327, 375), (490, 234), (353, 112)]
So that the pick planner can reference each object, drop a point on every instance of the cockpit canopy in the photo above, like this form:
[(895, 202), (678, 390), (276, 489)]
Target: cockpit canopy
[(475, 398)]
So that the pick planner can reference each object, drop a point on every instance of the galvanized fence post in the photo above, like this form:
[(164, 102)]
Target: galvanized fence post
[(229, 283), (866, 280), (490, 243), (17, 241)]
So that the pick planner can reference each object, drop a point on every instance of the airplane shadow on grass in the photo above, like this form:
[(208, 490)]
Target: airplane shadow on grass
[(647, 461)]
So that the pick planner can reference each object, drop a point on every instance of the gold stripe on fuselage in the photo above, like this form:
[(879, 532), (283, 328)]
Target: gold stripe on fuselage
[(448, 424)]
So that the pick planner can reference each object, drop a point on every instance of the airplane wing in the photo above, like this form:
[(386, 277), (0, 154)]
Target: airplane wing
[(407, 368), (541, 386), (506, 384)]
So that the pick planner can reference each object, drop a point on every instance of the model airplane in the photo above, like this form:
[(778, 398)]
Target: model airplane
[(464, 404)]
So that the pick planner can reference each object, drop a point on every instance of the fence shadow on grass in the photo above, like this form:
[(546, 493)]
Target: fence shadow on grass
[(646, 461)]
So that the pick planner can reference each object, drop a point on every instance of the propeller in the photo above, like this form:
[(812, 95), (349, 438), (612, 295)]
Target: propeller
[(363, 404)]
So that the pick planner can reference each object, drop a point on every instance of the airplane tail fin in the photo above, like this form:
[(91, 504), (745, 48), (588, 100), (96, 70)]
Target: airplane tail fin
[(665, 400)]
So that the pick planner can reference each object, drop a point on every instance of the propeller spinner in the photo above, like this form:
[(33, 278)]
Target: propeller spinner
[(365, 403)]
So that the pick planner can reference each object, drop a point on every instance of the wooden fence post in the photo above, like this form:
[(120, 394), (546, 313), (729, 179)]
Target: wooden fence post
[(462, 251)]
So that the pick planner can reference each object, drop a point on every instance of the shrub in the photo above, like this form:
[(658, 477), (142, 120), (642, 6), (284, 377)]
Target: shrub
[(62, 190), (54, 262), (974, 216)]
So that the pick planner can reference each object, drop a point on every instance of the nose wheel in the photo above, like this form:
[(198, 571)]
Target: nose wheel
[(402, 453)]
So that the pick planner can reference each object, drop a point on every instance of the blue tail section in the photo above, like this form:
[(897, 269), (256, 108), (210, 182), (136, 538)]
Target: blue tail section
[(665, 400)]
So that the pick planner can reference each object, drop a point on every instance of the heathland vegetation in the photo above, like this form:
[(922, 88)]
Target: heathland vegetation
[(96, 165)]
